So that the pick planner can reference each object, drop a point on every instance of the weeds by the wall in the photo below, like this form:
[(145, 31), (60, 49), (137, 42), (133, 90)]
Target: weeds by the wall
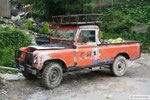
[(120, 19), (44, 30), (10, 40)]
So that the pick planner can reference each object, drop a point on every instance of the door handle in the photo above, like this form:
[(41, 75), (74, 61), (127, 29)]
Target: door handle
[(94, 53)]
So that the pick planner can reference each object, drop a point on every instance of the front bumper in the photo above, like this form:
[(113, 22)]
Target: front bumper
[(25, 64)]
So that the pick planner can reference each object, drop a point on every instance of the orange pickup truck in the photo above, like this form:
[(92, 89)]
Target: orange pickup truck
[(74, 45)]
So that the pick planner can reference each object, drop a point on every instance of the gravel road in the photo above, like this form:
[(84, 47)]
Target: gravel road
[(85, 85)]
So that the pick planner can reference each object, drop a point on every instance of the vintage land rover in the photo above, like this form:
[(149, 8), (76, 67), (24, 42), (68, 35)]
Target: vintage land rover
[(74, 45)]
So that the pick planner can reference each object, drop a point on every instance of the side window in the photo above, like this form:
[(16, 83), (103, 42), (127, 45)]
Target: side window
[(86, 36)]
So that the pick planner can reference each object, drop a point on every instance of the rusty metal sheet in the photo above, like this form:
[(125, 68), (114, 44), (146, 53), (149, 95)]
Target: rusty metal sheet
[(5, 8)]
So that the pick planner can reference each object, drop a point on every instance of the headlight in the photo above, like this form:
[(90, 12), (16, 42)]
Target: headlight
[(35, 60), (22, 56)]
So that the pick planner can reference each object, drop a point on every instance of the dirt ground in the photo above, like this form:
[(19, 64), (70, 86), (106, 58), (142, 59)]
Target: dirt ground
[(85, 85)]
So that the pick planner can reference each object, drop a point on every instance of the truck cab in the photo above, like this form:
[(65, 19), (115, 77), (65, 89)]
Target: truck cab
[(72, 47)]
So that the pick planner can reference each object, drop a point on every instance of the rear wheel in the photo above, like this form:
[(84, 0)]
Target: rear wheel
[(52, 75), (28, 75), (119, 66)]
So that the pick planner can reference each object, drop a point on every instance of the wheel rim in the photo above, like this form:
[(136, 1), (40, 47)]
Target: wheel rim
[(54, 76), (121, 66)]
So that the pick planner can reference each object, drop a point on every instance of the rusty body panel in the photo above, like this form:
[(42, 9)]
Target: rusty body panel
[(75, 54), (66, 56), (110, 52)]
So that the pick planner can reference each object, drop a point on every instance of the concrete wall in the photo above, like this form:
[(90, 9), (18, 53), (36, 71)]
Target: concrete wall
[(5, 8)]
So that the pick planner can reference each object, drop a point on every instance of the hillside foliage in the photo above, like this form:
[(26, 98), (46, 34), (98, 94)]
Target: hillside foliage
[(10, 40)]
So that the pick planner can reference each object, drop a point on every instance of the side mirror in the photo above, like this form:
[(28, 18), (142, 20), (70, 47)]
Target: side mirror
[(85, 40)]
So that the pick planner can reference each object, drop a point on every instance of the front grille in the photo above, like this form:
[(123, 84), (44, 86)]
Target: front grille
[(27, 61)]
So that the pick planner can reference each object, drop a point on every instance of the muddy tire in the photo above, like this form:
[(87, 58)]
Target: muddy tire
[(119, 67), (52, 75), (28, 75)]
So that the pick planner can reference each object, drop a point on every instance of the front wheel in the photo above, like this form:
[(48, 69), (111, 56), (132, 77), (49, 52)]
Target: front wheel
[(52, 75), (119, 66)]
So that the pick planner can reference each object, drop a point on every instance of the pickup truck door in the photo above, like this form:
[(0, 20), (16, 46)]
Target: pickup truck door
[(86, 51)]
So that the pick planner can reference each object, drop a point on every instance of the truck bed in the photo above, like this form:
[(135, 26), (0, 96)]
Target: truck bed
[(105, 42), (111, 50)]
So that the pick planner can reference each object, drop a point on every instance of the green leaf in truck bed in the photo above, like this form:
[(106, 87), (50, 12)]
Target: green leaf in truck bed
[(118, 40)]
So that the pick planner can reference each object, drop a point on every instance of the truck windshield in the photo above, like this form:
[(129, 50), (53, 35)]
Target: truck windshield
[(64, 34)]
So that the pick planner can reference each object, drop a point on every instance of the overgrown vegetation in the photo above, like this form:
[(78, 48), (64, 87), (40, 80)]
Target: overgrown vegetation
[(120, 19), (44, 9), (44, 30), (10, 40)]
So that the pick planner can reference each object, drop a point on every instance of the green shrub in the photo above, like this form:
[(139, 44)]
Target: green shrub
[(46, 28), (36, 29), (29, 24), (13, 37), (7, 58), (1, 43), (101, 34), (10, 40), (119, 19)]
